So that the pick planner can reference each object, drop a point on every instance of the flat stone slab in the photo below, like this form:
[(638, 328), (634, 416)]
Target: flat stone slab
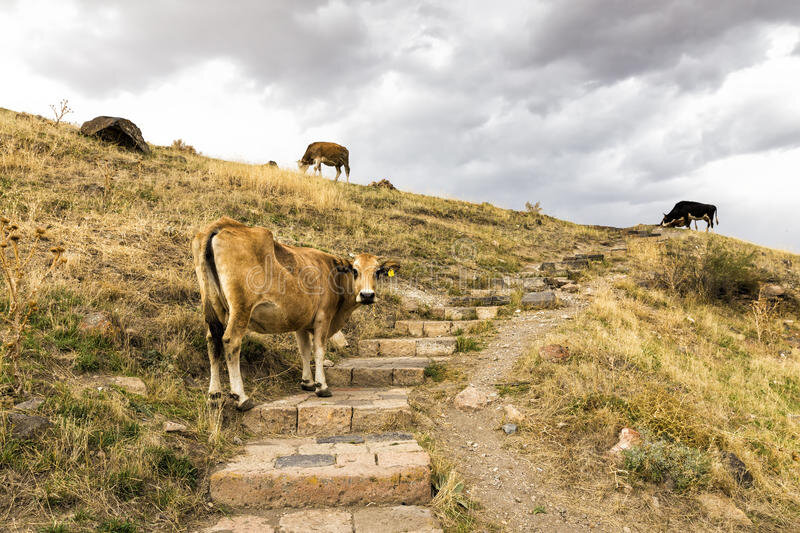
[(380, 371), (270, 475), (494, 299), (539, 300), (433, 328), (408, 347), (373, 519), (348, 410), (466, 313)]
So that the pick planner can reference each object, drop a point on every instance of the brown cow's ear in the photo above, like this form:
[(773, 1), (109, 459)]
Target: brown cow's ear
[(344, 266), (388, 267)]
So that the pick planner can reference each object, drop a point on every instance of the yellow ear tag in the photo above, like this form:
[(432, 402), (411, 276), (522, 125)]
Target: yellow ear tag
[(391, 273)]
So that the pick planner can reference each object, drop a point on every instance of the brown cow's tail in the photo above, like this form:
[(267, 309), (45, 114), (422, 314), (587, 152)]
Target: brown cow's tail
[(212, 278), (716, 215)]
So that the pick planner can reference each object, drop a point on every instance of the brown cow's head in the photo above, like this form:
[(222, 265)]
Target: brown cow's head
[(366, 269), (302, 165)]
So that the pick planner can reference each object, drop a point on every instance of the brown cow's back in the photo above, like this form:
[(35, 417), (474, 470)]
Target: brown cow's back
[(334, 153)]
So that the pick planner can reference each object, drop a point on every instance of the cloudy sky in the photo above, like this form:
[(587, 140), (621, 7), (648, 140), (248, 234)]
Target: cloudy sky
[(605, 111)]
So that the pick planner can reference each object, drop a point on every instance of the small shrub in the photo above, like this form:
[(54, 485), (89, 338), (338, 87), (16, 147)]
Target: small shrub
[(660, 461), (117, 525), (467, 344), (435, 372), (181, 146), (168, 464), (125, 485)]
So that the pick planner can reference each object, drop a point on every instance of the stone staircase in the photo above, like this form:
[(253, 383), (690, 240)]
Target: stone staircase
[(347, 459)]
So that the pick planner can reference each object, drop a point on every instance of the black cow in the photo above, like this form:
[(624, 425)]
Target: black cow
[(684, 212)]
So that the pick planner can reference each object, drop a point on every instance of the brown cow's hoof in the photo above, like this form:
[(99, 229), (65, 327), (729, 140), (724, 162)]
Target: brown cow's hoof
[(308, 385), (246, 405), (324, 393)]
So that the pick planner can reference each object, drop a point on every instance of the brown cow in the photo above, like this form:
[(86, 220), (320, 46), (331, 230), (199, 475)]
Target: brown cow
[(250, 281), (330, 154)]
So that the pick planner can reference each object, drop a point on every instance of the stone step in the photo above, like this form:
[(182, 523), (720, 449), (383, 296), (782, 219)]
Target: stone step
[(408, 347), (465, 313), (384, 469), (349, 409), (482, 301), (539, 300), (433, 328), (373, 519), (379, 371)]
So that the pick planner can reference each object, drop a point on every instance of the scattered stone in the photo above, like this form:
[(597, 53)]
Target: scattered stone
[(721, 508), (116, 130), (773, 290), (539, 300), (383, 184), (338, 341), (513, 414), (628, 438), (510, 429), (130, 384), (31, 405), (571, 287), (174, 427), (327, 363), (97, 323), (555, 353), (25, 427), (472, 398), (237, 441)]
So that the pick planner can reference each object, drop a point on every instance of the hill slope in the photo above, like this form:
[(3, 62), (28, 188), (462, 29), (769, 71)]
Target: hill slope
[(125, 222)]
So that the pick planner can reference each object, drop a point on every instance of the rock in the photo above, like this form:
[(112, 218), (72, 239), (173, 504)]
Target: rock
[(31, 405), (130, 384), (400, 518), (571, 287), (237, 441), (25, 427), (327, 363), (772, 290), (383, 184), (555, 353), (241, 524), (739, 470), (316, 521), (97, 323), (472, 398), (272, 164), (539, 300), (720, 508), (513, 414), (116, 130), (174, 427), (510, 429), (628, 438), (338, 341)]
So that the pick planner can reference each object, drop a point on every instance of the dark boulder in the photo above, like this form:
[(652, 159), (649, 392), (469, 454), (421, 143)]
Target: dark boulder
[(272, 164), (116, 130), (383, 184)]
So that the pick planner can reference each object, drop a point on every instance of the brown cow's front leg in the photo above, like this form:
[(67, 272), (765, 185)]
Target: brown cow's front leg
[(320, 337), (232, 342), (304, 346)]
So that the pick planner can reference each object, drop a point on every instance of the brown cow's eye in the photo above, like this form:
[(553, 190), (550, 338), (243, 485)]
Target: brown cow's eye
[(355, 273)]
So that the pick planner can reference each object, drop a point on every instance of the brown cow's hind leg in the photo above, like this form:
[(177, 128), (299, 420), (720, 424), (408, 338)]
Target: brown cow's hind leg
[(215, 353), (304, 346), (338, 173), (232, 342)]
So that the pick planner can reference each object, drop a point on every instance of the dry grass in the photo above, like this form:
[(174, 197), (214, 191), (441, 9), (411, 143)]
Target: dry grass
[(687, 368), (126, 221)]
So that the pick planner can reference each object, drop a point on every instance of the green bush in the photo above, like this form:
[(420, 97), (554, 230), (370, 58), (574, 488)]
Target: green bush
[(661, 461)]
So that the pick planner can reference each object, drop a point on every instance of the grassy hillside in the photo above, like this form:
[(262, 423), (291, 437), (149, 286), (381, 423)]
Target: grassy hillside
[(688, 349), (125, 222), (678, 341)]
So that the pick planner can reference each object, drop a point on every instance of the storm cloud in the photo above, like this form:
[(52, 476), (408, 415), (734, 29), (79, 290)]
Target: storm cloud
[(606, 111)]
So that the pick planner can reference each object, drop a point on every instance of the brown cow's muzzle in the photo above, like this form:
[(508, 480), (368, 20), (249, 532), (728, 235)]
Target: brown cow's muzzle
[(366, 297)]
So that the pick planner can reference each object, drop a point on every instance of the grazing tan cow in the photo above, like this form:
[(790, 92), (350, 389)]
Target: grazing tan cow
[(330, 154), (250, 282)]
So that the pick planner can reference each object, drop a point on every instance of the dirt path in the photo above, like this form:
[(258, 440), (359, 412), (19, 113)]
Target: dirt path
[(509, 487)]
